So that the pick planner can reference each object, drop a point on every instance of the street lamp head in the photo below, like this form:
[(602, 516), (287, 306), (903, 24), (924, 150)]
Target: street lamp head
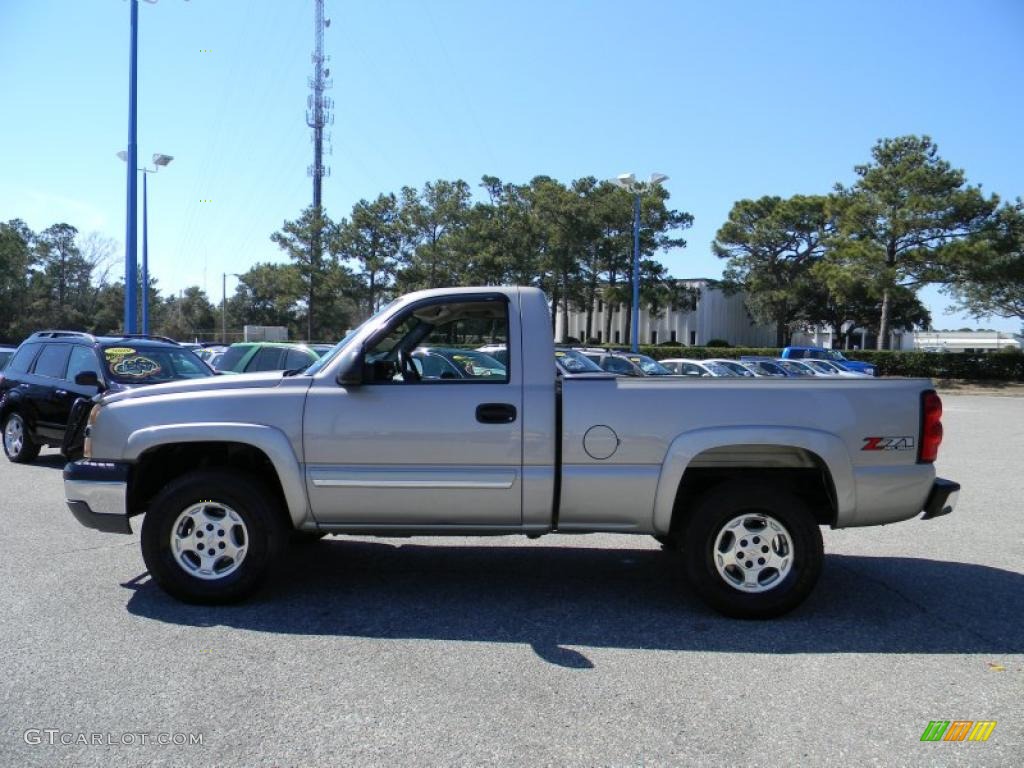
[(657, 178), (159, 159), (625, 180), (123, 155)]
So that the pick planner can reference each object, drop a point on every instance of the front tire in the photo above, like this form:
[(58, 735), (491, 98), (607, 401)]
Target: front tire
[(18, 443), (211, 536), (753, 552)]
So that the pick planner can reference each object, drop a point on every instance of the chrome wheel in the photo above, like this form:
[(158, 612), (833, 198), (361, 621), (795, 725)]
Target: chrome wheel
[(14, 435), (753, 553), (209, 540)]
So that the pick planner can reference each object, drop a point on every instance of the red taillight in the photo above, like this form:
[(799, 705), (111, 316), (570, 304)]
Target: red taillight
[(931, 427)]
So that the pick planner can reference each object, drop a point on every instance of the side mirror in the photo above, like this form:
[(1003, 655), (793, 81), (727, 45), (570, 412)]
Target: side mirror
[(351, 374), (89, 379)]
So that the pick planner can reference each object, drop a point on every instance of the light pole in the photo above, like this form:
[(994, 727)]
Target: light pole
[(629, 183), (130, 245), (224, 304), (158, 161)]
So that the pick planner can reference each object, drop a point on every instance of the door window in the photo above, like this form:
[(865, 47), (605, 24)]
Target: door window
[(53, 361), (267, 359), (436, 343), (82, 360), (297, 359)]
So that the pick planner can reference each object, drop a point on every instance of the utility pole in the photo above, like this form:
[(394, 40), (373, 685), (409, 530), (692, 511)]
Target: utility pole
[(224, 307), (318, 115)]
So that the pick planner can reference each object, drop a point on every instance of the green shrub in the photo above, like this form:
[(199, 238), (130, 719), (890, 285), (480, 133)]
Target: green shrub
[(718, 343), (945, 365)]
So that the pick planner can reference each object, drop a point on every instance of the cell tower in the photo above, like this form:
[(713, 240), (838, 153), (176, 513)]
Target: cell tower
[(318, 115), (318, 112)]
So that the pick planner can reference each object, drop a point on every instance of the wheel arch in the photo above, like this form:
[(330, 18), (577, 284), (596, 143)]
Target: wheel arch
[(162, 453), (701, 459)]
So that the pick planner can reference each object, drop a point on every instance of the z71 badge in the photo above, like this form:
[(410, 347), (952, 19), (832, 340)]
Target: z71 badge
[(888, 444)]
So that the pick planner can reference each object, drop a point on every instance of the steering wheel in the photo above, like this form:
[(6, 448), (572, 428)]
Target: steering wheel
[(407, 367)]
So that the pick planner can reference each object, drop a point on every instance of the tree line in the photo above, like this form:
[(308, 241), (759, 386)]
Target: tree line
[(572, 240), (855, 257)]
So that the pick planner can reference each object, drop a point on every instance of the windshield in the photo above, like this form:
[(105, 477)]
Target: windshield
[(151, 365), (649, 365), (574, 361)]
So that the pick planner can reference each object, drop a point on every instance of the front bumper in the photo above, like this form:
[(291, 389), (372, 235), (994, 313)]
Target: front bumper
[(97, 494), (942, 500)]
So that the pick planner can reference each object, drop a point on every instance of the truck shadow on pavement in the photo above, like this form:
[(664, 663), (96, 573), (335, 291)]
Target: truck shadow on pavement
[(558, 598)]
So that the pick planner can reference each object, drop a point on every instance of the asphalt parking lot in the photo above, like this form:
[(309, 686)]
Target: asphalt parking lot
[(565, 651)]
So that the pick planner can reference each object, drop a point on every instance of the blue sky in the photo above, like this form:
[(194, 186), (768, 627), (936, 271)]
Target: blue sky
[(732, 99)]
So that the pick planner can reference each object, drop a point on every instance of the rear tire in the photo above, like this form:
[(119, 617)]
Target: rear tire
[(211, 536), (752, 552), (18, 443)]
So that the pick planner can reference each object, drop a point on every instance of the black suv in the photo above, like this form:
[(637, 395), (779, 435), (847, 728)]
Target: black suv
[(53, 369)]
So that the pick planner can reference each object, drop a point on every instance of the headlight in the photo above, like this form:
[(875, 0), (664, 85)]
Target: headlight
[(87, 443), (869, 371)]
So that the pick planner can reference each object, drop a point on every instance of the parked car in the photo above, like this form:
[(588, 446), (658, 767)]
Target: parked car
[(568, 361), (739, 478), (254, 356), (735, 366), (206, 354), (627, 363), (820, 353), (573, 362), (6, 353), (52, 370), (683, 367), (796, 367), (498, 351), (321, 349), (433, 363), (763, 367), (828, 368)]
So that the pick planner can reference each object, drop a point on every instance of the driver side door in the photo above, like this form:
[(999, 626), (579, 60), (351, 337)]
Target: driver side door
[(414, 451)]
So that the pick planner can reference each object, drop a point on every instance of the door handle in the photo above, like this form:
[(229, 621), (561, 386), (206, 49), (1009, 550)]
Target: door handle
[(495, 413), (60, 392)]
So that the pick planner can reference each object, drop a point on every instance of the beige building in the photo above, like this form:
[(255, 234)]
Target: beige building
[(715, 316)]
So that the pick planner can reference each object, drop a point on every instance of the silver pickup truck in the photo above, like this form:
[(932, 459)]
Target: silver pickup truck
[(739, 474)]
